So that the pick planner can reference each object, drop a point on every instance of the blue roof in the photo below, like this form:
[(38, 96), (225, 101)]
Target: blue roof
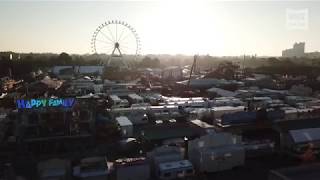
[(305, 135)]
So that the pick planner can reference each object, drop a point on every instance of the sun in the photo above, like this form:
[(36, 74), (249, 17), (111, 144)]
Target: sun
[(185, 28)]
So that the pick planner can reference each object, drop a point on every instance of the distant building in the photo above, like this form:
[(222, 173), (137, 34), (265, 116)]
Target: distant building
[(82, 83), (315, 54), (216, 152), (85, 70), (296, 51), (91, 168), (167, 162), (164, 154), (132, 169), (90, 69), (172, 72), (137, 115)]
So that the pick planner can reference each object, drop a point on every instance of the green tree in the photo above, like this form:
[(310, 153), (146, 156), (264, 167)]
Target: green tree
[(64, 59), (148, 62)]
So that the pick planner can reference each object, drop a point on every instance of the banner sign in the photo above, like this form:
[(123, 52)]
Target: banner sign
[(43, 103)]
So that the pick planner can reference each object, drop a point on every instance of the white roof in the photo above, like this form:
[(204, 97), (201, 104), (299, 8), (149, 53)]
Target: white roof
[(227, 108), (275, 91), (305, 110), (114, 98), (123, 121), (288, 110), (182, 99), (227, 99), (130, 109), (134, 96), (222, 92), (201, 124), (261, 98), (164, 107)]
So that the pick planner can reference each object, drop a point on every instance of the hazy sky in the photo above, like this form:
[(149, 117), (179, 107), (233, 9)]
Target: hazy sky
[(173, 27)]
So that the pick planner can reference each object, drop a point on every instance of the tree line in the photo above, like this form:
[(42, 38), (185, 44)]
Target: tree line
[(21, 66)]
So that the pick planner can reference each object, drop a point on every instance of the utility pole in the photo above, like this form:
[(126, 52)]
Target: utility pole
[(192, 68)]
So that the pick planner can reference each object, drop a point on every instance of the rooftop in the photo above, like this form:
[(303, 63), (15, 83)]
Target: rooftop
[(123, 121), (130, 161), (306, 172), (175, 165), (305, 135)]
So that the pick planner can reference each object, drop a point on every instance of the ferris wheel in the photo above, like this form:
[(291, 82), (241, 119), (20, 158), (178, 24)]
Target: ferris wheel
[(116, 39)]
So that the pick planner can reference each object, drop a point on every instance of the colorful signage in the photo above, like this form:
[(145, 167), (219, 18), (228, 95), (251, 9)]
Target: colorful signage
[(42, 103)]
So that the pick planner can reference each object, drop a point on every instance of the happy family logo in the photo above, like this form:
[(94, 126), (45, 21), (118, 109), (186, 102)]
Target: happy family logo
[(41, 103)]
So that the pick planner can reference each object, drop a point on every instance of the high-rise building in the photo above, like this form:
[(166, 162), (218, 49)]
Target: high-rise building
[(296, 51)]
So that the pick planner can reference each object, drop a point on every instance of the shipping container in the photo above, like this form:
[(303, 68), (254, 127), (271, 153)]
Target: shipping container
[(239, 118), (215, 159), (125, 126), (135, 99), (218, 112)]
